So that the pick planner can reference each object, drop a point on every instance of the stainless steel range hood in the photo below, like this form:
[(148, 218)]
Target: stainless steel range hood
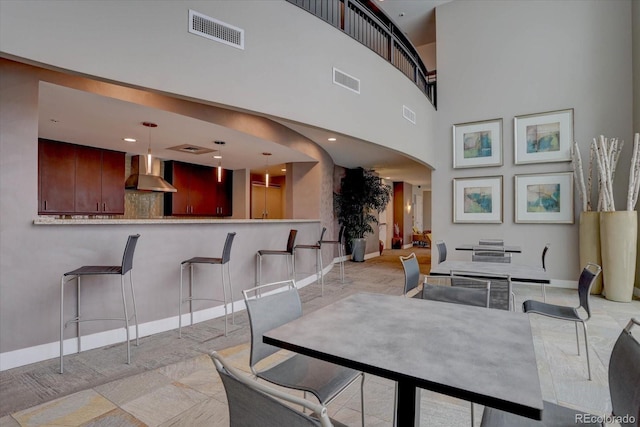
[(147, 180)]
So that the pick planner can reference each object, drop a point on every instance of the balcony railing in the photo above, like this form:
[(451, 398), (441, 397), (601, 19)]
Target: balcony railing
[(366, 23)]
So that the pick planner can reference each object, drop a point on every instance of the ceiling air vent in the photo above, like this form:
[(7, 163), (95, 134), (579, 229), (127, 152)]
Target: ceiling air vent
[(409, 114), (191, 149), (345, 80), (213, 29)]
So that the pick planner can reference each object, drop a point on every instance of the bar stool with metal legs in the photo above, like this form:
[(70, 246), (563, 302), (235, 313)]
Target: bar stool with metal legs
[(288, 253), (340, 243), (94, 270), (224, 260), (318, 248)]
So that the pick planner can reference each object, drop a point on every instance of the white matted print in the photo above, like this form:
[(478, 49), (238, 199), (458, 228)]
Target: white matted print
[(544, 198), (543, 137), (477, 144), (477, 200)]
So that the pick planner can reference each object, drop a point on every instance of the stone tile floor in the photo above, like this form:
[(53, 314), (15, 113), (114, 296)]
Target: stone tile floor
[(172, 382)]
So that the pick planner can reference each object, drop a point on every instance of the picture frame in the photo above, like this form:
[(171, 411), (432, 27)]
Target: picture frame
[(543, 137), (544, 198), (478, 200), (477, 144)]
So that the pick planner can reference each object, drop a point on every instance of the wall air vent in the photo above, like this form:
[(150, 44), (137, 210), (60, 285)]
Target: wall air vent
[(213, 29), (346, 81), (191, 149), (409, 114)]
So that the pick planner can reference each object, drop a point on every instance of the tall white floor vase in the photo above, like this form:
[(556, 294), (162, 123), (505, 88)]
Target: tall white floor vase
[(590, 244), (618, 238)]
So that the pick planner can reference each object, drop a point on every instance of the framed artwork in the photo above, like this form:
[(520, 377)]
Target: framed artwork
[(543, 137), (477, 144), (544, 198), (477, 200)]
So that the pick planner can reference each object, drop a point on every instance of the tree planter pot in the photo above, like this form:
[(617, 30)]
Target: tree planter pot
[(358, 246), (618, 239), (590, 244)]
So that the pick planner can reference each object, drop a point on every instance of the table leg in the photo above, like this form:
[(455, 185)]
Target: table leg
[(408, 407)]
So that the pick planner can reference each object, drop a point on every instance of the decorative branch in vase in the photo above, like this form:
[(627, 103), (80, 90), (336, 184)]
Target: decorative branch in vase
[(618, 229)]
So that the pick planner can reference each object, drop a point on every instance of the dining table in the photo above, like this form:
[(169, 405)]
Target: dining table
[(477, 354), (518, 272), (512, 249)]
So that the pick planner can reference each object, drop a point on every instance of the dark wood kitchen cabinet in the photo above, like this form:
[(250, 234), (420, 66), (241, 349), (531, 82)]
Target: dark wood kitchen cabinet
[(199, 192), (75, 179)]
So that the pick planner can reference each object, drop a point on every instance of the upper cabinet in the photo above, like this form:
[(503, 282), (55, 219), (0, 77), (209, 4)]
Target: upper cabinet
[(74, 179), (199, 192)]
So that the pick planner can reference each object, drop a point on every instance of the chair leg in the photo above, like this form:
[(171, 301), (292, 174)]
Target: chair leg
[(544, 293), (61, 325), (233, 312), (586, 348), (135, 308), (577, 339), (362, 398), (180, 304), (224, 297), (78, 314), (126, 320), (258, 269), (341, 255), (395, 405), (472, 416), (191, 279)]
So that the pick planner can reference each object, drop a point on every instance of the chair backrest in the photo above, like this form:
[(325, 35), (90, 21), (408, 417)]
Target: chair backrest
[(544, 256), (226, 251), (500, 291), (491, 242), (324, 230), (281, 305), (341, 234), (490, 254), (411, 272), (254, 404), (129, 249), (476, 295), (291, 242), (442, 251), (586, 280), (624, 376)]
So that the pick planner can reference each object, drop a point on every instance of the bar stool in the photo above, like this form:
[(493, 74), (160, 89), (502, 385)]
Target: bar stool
[(288, 253), (318, 248), (340, 243), (93, 270), (226, 257)]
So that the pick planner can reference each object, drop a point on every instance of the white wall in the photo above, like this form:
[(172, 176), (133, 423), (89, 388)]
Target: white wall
[(503, 59)]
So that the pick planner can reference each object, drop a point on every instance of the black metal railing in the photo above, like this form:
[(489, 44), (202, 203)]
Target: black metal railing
[(366, 23)]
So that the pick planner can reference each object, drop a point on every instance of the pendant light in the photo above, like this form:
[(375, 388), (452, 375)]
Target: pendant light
[(149, 125), (266, 172), (219, 157)]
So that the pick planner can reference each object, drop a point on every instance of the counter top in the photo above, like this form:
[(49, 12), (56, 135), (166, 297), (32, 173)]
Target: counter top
[(173, 221)]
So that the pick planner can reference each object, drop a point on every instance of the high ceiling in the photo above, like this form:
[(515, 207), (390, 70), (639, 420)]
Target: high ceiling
[(103, 122)]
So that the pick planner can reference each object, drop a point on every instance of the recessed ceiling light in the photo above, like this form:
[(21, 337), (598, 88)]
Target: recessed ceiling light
[(283, 170), (129, 139), (331, 139), (387, 177), (217, 157)]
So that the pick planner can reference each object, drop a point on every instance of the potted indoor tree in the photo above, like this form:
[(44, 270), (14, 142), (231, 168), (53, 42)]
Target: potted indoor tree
[(362, 196)]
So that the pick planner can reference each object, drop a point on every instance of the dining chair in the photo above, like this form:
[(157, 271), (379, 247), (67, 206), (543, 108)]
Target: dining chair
[(341, 251), (587, 277), (222, 261), (275, 304), (317, 247), (544, 267), (411, 273), (624, 390), (443, 289), (501, 294), (442, 251), (253, 404), (288, 253), (490, 254), (94, 270)]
